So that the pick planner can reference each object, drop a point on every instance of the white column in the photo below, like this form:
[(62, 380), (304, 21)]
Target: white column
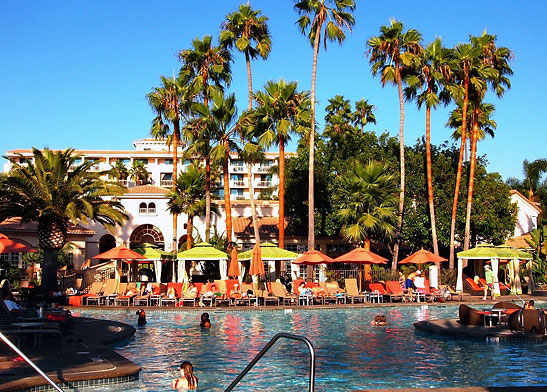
[(495, 263), (459, 282)]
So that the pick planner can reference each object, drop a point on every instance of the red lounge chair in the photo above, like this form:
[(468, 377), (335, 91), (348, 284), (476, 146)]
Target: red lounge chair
[(395, 291), (178, 293), (129, 293), (473, 288), (192, 301), (377, 292)]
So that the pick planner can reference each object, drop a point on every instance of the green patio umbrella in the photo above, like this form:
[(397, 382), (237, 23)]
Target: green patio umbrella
[(269, 251), (204, 251), (480, 252)]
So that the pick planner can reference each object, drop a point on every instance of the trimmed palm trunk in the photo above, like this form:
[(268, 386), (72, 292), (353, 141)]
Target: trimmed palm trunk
[(472, 165), (227, 204), (430, 179), (176, 133), (52, 237), (281, 223), (311, 198), (189, 228), (402, 166), (458, 174)]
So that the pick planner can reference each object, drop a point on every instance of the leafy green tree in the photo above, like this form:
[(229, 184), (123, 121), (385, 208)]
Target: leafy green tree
[(427, 87), (139, 173), (51, 189), (280, 110), (394, 54), (363, 114), (367, 201), (210, 70), (188, 197), (329, 18)]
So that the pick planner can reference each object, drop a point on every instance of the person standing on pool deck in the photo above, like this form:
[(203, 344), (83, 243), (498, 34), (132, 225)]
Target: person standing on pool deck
[(489, 277), (187, 379)]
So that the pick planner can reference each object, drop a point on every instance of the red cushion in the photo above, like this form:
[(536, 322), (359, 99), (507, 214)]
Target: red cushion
[(75, 300), (156, 290)]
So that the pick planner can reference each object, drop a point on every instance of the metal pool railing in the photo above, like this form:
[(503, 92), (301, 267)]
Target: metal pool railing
[(32, 364), (267, 347)]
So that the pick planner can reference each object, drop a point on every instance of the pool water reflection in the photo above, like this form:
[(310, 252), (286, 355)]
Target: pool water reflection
[(351, 354)]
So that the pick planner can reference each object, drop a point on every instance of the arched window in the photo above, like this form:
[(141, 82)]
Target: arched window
[(142, 208), (152, 208), (146, 233), (106, 242)]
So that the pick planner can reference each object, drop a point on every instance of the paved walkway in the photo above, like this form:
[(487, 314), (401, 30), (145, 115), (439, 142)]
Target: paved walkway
[(82, 355)]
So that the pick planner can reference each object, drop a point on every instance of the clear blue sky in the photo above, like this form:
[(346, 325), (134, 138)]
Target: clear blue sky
[(75, 73)]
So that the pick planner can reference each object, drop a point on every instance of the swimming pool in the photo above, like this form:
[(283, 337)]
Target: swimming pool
[(351, 354)]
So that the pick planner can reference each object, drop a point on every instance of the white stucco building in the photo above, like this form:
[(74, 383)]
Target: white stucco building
[(527, 215)]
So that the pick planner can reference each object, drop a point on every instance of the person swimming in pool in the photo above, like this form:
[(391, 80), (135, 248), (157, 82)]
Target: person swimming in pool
[(379, 320), (205, 321), (187, 379)]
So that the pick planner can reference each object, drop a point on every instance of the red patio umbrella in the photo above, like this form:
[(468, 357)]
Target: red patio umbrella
[(361, 256), (421, 257), (233, 269), (313, 257), (257, 265), (10, 246), (122, 253)]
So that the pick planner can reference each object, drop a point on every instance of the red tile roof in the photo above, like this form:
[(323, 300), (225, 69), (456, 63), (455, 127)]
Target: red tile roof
[(146, 189), (519, 242), (532, 203), (15, 225), (267, 226)]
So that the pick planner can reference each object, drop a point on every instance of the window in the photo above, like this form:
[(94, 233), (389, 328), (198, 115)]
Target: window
[(168, 162), (142, 208), (143, 160), (237, 166), (125, 161), (338, 248), (166, 179), (152, 208), (9, 260)]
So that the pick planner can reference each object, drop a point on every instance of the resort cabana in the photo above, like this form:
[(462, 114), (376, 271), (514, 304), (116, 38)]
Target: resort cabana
[(271, 254), (154, 255), (494, 254), (203, 251)]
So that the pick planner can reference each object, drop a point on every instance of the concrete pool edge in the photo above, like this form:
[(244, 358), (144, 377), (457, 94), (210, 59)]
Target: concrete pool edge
[(84, 360)]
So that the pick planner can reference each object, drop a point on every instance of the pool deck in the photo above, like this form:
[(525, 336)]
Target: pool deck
[(82, 358)]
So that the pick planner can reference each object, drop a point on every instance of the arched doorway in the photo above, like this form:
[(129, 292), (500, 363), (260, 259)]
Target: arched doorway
[(146, 233), (106, 242)]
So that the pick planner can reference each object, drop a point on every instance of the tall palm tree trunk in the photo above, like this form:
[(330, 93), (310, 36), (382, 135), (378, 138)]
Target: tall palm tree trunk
[(281, 224), (207, 199), (458, 175), (472, 165), (227, 204), (402, 164), (311, 198), (189, 229), (249, 171), (430, 179), (176, 133)]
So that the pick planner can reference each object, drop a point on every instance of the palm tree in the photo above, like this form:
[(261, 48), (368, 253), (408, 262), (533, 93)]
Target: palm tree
[(223, 129), (367, 202), (492, 72), (339, 117), (532, 175), (433, 73), (209, 67), (170, 102), (188, 197), (51, 189), (392, 55), (363, 114), (248, 32), (486, 124), (118, 171), (139, 173), (330, 18), (281, 110)]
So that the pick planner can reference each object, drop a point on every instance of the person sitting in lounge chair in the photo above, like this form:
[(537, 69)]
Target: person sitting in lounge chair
[(191, 291), (236, 292), (13, 307), (317, 290), (303, 290)]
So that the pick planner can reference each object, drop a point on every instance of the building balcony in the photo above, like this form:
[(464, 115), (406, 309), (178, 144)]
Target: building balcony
[(237, 169), (263, 184), (238, 197), (264, 168), (166, 183), (237, 184)]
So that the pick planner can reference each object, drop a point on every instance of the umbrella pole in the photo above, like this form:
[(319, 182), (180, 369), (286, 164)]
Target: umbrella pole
[(360, 280)]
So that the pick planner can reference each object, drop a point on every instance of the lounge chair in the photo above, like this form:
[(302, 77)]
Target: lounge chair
[(247, 288), (280, 291), (395, 292), (266, 297), (454, 296), (144, 300), (205, 299), (473, 288), (128, 294), (353, 291), (377, 292), (192, 301), (95, 291), (110, 290), (178, 294)]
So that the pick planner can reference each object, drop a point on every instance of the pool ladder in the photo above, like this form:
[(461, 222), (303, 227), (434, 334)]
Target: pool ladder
[(267, 347), (32, 364)]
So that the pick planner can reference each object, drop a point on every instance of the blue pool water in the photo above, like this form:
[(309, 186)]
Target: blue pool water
[(351, 354)]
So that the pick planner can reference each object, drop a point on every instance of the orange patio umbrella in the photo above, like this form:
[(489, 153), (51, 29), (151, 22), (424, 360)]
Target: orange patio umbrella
[(313, 257), (122, 253), (421, 257), (361, 256), (10, 246), (257, 265), (233, 269)]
